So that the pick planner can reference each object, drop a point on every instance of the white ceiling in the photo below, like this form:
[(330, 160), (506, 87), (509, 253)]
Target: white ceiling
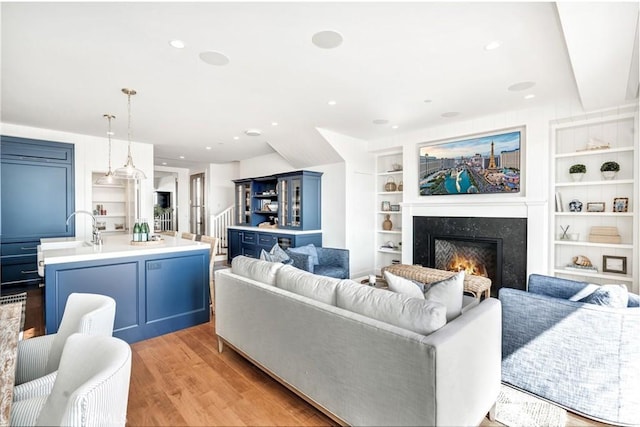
[(63, 65)]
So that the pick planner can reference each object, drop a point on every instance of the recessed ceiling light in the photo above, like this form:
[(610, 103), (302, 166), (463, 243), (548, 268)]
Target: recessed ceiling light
[(111, 133), (332, 102), (178, 44), (214, 58), (253, 132), (427, 101), (395, 127), (327, 39), (380, 121), (493, 45), (529, 96), (274, 123), (208, 148), (450, 114), (521, 86), (164, 163), (182, 157), (236, 138)]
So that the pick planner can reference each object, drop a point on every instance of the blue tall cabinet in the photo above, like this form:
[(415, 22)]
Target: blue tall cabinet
[(37, 196), (291, 199)]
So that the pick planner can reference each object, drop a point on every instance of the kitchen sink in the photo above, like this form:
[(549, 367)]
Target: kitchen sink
[(70, 244)]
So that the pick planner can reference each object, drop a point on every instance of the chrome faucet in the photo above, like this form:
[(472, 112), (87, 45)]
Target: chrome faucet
[(95, 234)]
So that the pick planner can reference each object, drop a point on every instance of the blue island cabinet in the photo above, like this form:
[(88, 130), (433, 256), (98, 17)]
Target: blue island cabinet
[(154, 294)]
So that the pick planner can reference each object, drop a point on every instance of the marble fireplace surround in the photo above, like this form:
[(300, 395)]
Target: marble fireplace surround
[(520, 223)]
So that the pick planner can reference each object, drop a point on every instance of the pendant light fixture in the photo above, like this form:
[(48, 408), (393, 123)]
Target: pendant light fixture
[(109, 177), (129, 171)]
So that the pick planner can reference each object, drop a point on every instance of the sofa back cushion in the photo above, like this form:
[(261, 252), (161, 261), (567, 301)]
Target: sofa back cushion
[(319, 288), (261, 271), (417, 315)]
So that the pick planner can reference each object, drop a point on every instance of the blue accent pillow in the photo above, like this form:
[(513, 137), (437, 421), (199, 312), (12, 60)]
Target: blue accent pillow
[(608, 295), (309, 249)]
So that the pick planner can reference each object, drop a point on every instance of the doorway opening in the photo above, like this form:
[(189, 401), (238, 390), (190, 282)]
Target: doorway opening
[(197, 204)]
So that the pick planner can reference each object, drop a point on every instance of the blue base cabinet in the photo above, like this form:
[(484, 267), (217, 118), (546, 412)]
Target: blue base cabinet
[(250, 243), (154, 294)]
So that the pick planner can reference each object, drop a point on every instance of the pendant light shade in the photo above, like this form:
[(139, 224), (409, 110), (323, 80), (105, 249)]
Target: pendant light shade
[(109, 177), (129, 171)]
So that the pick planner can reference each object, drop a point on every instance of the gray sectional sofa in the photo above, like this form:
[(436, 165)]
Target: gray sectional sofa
[(363, 356)]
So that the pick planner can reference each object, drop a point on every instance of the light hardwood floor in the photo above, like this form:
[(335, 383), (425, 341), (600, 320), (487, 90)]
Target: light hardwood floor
[(180, 379)]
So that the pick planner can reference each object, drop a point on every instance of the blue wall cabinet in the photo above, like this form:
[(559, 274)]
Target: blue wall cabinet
[(154, 294), (300, 200), (291, 199), (243, 202), (37, 196)]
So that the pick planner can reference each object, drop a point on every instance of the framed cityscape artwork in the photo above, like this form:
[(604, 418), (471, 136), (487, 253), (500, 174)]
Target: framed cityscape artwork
[(479, 164)]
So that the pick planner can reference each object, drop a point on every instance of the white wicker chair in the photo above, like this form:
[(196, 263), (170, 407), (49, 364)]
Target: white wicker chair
[(39, 357), (91, 388)]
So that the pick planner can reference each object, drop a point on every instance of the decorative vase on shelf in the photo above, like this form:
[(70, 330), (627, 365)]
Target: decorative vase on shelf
[(577, 176), (387, 224), (577, 171), (609, 169)]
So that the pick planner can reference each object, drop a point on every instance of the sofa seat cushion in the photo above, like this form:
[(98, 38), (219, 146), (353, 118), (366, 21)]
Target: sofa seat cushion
[(417, 315), (330, 271), (319, 288), (255, 269)]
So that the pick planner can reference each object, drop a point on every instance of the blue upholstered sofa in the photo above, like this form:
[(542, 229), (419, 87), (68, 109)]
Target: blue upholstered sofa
[(332, 262), (582, 356)]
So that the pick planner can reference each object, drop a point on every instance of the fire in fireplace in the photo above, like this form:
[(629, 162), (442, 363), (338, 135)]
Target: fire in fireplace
[(468, 265), (477, 256)]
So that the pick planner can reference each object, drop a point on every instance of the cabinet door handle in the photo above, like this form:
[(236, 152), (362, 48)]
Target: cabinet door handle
[(28, 249), (28, 271)]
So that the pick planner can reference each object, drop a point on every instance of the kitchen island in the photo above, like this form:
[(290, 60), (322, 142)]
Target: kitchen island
[(159, 287)]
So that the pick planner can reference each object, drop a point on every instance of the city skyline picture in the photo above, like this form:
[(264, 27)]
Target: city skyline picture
[(478, 165)]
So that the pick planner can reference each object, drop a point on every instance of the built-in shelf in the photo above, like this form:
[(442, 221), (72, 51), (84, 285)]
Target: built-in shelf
[(385, 173), (570, 138)]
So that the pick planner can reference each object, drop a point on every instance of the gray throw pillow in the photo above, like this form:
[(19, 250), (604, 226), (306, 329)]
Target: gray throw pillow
[(276, 254), (615, 296), (309, 249), (448, 292)]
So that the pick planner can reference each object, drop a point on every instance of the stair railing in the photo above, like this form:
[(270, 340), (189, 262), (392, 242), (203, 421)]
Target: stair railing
[(219, 224)]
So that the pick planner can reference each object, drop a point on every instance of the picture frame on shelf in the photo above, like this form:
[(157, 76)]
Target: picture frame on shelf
[(621, 204), (614, 264), (386, 206), (595, 206), (395, 208)]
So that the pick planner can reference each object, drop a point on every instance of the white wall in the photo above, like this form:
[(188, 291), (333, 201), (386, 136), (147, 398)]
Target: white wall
[(91, 155)]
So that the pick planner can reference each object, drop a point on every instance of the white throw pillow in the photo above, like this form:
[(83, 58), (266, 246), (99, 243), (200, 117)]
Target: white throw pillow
[(404, 286), (417, 315), (448, 292)]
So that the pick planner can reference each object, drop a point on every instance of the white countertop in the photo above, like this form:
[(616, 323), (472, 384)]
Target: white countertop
[(274, 230), (113, 246)]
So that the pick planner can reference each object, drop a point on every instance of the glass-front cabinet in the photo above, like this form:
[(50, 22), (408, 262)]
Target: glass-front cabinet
[(299, 199), (288, 200), (243, 202)]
